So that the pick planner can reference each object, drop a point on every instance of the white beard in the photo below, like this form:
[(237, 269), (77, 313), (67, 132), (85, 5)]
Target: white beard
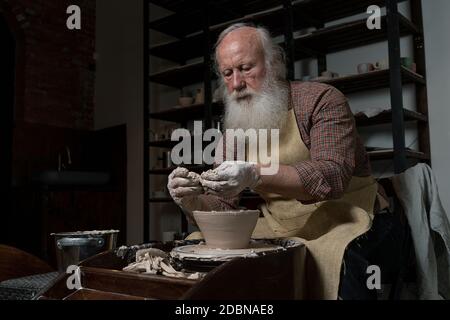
[(266, 109)]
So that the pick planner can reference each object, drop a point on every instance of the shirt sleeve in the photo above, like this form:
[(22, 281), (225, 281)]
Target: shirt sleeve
[(332, 148)]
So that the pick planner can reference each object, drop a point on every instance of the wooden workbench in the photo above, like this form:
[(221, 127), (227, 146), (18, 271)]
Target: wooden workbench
[(276, 275)]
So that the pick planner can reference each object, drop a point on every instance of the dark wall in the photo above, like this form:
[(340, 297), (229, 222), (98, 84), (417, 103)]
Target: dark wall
[(53, 87), (57, 63), (39, 211), (7, 67)]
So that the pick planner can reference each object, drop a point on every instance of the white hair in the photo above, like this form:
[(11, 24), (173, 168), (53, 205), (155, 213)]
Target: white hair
[(273, 54)]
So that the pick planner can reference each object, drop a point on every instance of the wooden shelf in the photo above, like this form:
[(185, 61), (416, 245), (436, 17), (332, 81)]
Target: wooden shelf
[(371, 80), (177, 5), (346, 36), (193, 46), (386, 118), (189, 14), (388, 154), (167, 144), (325, 40), (227, 6), (182, 114), (329, 10), (180, 76), (193, 73)]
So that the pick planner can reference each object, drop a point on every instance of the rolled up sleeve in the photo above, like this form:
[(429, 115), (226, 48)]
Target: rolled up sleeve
[(332, 148)]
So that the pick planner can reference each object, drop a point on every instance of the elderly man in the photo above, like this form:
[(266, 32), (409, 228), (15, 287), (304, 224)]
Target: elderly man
[(324, 190)]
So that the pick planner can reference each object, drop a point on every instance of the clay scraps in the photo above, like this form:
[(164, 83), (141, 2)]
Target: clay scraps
[(155, 261)]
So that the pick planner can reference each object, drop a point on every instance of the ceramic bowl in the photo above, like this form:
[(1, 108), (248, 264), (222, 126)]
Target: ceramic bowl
[(227, 229), (185, 101)]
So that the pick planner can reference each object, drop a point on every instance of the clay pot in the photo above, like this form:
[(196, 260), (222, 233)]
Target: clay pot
[(185, 101), (227, 229), (365, 68), (200, 96)]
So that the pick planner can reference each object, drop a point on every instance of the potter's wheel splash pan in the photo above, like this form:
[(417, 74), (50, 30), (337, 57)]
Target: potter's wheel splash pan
[(200, 257)]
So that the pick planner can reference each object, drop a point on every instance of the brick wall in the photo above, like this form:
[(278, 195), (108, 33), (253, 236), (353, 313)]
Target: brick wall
[(54, 109), (57, 64)]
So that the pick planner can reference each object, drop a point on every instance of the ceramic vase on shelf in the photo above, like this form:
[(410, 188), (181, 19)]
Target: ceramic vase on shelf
[(200, 96), (185, 99)]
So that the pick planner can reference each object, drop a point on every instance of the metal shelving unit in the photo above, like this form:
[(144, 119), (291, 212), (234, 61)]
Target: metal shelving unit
[(202, 21)]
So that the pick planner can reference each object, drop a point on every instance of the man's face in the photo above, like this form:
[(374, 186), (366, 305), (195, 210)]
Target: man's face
[(241, 63)]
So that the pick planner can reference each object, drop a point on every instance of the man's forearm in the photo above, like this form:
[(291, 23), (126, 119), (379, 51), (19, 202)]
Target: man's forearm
[(285, 182)]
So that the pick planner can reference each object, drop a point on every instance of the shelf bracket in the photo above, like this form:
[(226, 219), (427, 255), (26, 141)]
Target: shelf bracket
[(208, 67), (396, 88), (289, 39), (146, 183)]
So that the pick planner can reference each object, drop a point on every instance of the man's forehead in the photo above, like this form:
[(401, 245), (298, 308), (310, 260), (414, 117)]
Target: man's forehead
[(242, 39), (244, 33)]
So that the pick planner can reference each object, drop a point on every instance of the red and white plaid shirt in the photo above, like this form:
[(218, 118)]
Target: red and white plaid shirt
[(327, 128)]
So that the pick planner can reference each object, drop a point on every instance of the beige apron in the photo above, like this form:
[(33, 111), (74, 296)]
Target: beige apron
[(326, 227)]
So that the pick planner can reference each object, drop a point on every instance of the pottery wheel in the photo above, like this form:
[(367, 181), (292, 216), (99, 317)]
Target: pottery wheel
[(202, 252)]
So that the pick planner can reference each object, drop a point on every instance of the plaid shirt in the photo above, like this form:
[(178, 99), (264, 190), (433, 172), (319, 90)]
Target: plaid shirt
[(327, 128)]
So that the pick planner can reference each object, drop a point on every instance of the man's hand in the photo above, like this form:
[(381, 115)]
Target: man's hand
[(184, 187), (231, 178)]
